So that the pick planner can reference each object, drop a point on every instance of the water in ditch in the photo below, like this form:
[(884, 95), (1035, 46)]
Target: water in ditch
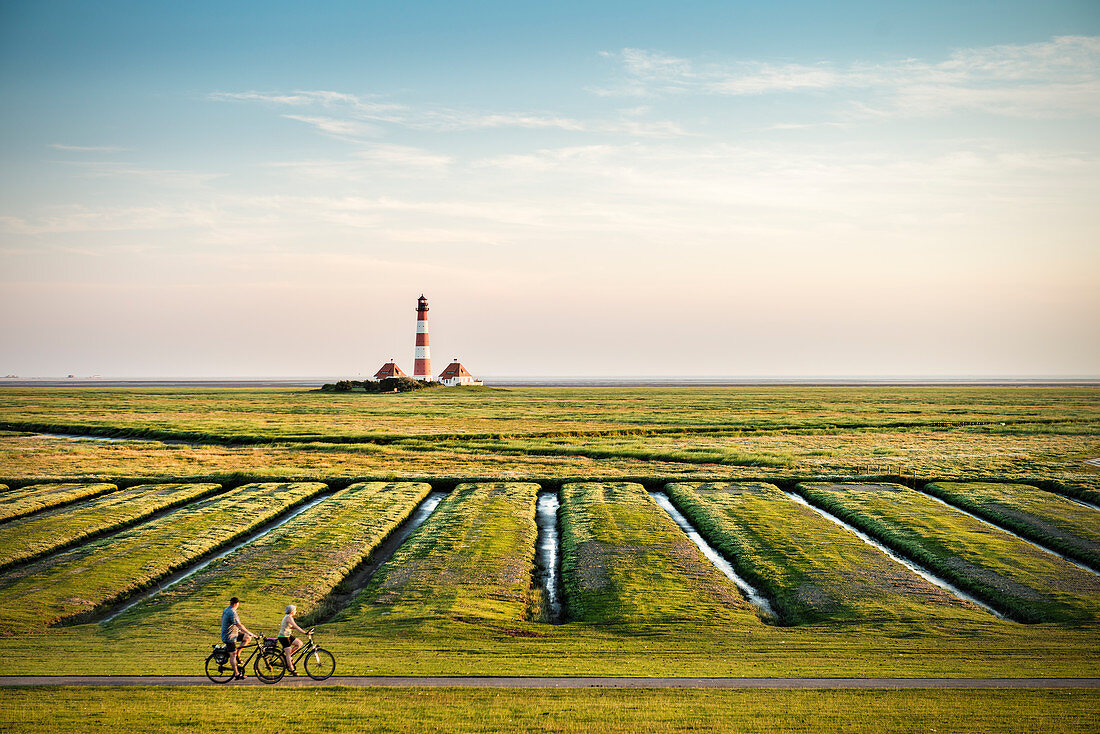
[(918, 570), (546, 518), (755, 597), (84, 437), (188, 572), (115, 439)]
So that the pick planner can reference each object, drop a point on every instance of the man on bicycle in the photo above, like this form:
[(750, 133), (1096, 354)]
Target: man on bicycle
[(235, 635)]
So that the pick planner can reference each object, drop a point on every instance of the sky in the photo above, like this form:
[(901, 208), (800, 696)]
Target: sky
[(736, 189)]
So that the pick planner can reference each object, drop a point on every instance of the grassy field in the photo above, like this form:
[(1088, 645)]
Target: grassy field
[(1052, 521), (457, 596), (810, 568), (471, 562), (31, 537), (77, 584), (624, 561), (416, 710), (37, 497), (301, 562), (1009, 574), (1031, 435), (294, 413)]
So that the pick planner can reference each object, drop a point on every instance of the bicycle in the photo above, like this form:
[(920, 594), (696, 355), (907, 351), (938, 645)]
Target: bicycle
[(320, 663), (270, 667)]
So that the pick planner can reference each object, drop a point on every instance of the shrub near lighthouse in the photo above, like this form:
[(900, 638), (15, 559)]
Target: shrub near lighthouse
[(422, 365)]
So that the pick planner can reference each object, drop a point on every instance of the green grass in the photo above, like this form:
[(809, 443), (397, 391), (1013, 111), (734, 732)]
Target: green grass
[(37, 497), (301, 562), (625, 562), (248, 414), (336, 710), (1009, 574), (74, 585), (556, 436), (1037, 515), (1031, 435), (810, 568), (28, 538), (471, 562)]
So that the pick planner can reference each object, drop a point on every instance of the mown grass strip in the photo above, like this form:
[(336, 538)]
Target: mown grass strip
[(472, 561), (300, 562), (29, 538), (1009, 574), (35, 498), (337, 710), (1045, 518), (624, 561), (73, 586), (812, 570)]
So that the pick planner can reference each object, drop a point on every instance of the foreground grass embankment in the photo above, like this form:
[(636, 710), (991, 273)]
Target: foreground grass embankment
[(811, 569), (337, 710), (437, 645), (1011, 575)]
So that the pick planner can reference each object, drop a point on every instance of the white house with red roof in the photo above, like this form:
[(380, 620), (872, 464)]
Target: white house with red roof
[(456, 375)]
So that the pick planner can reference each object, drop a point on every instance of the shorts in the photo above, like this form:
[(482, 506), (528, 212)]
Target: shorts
[(287, 641), (231, 644)]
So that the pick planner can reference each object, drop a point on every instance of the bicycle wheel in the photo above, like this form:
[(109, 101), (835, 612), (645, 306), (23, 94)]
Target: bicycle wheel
[(270, 667), (219, 672), (320, 664)]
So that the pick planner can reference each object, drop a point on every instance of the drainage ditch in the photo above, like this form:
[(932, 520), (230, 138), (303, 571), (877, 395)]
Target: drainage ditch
[(116, 439), (917, 569), (547, 554), (767, 612)]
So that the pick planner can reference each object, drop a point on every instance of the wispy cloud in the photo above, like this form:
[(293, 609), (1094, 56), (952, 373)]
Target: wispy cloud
[(1050, 78), (338, 128), (87, 148), (350, 116), (78, 218)]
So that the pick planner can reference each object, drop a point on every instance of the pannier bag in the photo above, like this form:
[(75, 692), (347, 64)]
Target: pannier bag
[(220, 654), (271, 641)]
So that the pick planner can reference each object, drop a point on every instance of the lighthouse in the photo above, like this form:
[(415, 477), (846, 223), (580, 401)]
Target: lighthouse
[(422, 364)]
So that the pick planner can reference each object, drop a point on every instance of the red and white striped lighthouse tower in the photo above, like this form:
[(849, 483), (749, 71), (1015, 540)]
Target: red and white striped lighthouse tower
[(422, 364)]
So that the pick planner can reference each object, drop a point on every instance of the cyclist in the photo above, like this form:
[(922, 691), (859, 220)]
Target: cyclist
[(289, 642), (235, 635)]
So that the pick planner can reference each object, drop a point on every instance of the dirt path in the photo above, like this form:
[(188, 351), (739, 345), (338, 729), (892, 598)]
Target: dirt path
[(502, 682)]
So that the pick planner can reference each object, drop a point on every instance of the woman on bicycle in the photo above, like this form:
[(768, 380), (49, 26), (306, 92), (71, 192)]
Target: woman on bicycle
[(289, 642)]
